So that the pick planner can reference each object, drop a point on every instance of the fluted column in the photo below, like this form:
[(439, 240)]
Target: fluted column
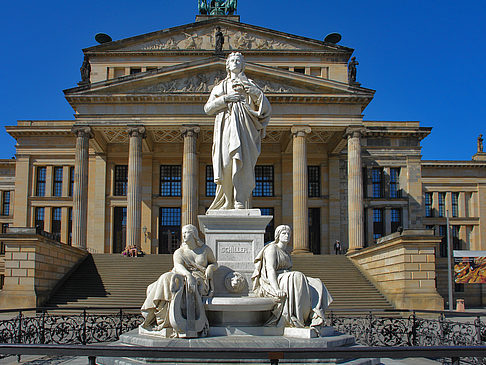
[(134, 190), (300, 194), (80, 189), (189, 175), (355, 191)]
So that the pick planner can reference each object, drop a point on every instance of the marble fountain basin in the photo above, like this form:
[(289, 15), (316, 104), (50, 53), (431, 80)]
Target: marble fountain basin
[(239, 311)]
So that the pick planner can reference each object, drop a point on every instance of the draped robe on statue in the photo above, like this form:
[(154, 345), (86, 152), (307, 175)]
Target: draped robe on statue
[(306, 300), (238, 130), (162, 293)]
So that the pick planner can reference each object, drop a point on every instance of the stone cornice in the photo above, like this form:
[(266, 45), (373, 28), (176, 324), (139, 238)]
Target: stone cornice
[(399, 132), (202, 98), (442, 164), (22, 131), (212, 22), (208, 53)]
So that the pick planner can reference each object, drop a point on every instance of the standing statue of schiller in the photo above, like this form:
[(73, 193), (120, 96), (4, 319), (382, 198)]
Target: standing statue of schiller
[(242, 115)]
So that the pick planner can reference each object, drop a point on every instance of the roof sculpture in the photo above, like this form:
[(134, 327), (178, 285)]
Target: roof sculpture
[(217, 7)]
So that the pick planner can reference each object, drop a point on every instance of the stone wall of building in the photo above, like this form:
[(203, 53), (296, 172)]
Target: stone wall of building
[(402, 266), (34, 265)]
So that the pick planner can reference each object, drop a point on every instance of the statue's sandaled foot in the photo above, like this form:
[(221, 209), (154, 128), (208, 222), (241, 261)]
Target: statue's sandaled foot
[(239, 205)]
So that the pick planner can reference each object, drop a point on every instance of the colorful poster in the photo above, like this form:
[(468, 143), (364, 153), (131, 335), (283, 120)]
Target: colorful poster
[(470, 267)]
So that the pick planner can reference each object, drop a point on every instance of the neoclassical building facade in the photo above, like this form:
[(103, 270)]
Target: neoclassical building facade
[(135, 163)]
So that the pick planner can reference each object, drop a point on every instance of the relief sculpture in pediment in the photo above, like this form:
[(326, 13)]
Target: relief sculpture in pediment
[(195, 83), (205, 39), (204, 83)]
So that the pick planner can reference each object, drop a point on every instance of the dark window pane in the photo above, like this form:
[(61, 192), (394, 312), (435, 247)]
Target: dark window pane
[(270, 229), (71, 180), (70, 226), (443, 243), (395, 191), (40, 189), (442, 204), (121, 180), (396, 219), (455, 204), (170, 180), (314, 177), (57, 188), (56, 223), (2, 245), (170, 229), (263, 181), (210, 185), (377, 181), (39, 218), (377, 223), (6, 203), (428, 204)]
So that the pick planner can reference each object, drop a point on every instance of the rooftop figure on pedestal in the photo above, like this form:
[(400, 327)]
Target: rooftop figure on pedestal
[(217, 7)]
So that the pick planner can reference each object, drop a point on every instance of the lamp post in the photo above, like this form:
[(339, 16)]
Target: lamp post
[(449, 261)]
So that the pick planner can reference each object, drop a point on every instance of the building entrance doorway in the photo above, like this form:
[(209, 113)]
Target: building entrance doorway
[(119, 229), (315, 230), (169, 230)]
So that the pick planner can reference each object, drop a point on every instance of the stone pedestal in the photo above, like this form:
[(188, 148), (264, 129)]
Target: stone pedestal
[(236, 237)]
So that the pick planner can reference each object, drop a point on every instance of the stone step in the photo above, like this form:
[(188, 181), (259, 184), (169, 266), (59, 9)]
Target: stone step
[(114, 280)]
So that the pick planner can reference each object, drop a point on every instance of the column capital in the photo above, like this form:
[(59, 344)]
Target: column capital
[(136, 131), (300, 130), (354, 132), (190, 130), (82, 131)]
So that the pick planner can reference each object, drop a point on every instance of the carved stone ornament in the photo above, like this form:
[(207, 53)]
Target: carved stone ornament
[(190, 130), (355, 132), (300, 131), (235, 283), (137, 131), (319, 137), (113, 135), (204, 83), (205, 39), (82, 131)]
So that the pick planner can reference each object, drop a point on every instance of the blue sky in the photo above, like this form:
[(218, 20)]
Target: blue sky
[(425, 59)]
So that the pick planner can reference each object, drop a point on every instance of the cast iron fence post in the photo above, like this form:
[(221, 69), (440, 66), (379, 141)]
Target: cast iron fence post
[(441, 330), (120, 325), (43, 328), (370, 329), (477, 325), (413, 341), (83, 339), (19, 334)]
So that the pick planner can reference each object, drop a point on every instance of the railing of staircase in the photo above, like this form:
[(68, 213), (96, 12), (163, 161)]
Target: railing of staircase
[(392, 328)]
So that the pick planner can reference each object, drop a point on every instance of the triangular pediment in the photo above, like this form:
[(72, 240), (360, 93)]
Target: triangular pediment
[(199, 77), (201, 36)]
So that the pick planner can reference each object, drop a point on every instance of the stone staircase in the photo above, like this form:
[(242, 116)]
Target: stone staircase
[(110, 280)]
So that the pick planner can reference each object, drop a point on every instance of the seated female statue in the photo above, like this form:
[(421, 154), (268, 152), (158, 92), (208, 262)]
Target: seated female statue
[(175, 300), (301, 300)]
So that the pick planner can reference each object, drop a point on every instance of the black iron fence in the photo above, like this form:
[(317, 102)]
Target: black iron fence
[(79, 326), (374, 328)]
